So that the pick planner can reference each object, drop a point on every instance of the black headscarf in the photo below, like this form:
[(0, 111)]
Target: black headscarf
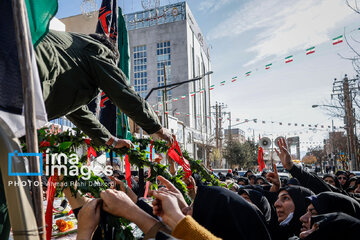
[(260, 201), (298, 194), (335, 226), (337, 183), (328, 202), (227, 215)]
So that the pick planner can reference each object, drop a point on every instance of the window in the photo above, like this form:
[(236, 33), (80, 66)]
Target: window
[(140, 74), (163, 51)]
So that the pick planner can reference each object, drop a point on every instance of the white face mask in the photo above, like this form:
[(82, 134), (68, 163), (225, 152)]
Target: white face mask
[(287, 220)]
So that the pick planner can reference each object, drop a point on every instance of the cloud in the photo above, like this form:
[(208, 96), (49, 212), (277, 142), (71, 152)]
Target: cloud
[(282, 26), (212, 6)]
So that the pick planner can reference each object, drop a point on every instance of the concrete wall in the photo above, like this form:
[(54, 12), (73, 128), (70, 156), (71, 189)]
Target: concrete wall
[(81, 23)]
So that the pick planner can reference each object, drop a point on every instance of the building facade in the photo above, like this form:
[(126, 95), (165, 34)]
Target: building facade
[(167, 46)]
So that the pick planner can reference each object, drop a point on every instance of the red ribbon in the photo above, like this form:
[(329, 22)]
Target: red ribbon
[(91, 151), (151, 149), (261, 159), (179, 158), (50, 195), (146, 189), (127, 171)]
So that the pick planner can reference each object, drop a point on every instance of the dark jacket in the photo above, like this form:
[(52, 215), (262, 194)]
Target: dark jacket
[(227, 215), (298, 194), (335, 226), (328, 202), (316, 184), (72, 67), (260, 201)]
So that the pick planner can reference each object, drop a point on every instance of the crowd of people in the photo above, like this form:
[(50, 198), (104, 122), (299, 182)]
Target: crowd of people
[(72, 67), (250, 207)]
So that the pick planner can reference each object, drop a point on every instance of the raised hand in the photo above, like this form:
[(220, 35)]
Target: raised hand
[(88, 219), (284, 154), (172, 190), (274, 178), (165, 206), (112, 199), (123, 188)]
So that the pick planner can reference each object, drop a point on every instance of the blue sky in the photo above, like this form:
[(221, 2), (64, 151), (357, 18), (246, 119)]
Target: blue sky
[(248, 34)]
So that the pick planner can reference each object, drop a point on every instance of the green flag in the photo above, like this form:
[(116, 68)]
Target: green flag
[(40, 12), (122, 123)]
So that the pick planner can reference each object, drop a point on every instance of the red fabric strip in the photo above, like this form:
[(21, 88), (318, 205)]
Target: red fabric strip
[(146, 189), (50, 194), (179, 158), (91, 151), (261, 159), (127, 171)]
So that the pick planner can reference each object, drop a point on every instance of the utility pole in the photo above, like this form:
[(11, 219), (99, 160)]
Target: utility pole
[(230, 136), (220, 136), (166, 123), (345, 90), (217, 125)]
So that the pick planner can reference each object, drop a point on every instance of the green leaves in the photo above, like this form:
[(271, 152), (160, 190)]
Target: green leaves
[(64, 146)]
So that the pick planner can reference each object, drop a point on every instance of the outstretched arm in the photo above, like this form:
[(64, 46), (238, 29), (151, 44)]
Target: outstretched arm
[(84, 119), (306, 179)]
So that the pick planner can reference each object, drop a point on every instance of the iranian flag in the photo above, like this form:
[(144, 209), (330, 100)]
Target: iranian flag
[(202, 90), (212, 87), (233, 79), (183, 96), (268, 66), (248, 73), (188, 114), (175, 99), (310, 50), (166, 112), (338, 39), (209, 117), (289, 59), (198, 116), (222, 83), (177, 113), (192, 94)]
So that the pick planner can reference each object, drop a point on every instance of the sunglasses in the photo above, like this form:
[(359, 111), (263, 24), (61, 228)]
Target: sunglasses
[(342, 178)]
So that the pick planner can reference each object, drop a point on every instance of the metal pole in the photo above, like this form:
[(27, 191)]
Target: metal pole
[(350, 125), (165, 96), (24, 51)]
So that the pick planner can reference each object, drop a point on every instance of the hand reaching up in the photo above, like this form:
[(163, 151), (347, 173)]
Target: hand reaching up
[(284, 154), (274, 178), (166, 206), (172, 190), (88, 219)]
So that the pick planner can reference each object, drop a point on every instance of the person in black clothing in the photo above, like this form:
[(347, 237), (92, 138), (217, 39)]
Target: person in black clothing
[(306, 179), (332, 226), (328, 202), (342, 177), (260, 201), (227, 215), (332, 180), (290, 206), (242, 181)]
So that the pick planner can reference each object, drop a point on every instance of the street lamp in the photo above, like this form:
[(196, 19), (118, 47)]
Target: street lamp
[(174, 85)]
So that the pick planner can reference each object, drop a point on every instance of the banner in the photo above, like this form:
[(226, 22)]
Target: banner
[(11, 95)]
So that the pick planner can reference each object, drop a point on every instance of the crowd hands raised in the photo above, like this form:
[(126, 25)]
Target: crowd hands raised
[(252, 207)]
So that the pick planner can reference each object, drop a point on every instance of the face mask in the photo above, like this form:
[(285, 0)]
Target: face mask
[(287, 220)]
